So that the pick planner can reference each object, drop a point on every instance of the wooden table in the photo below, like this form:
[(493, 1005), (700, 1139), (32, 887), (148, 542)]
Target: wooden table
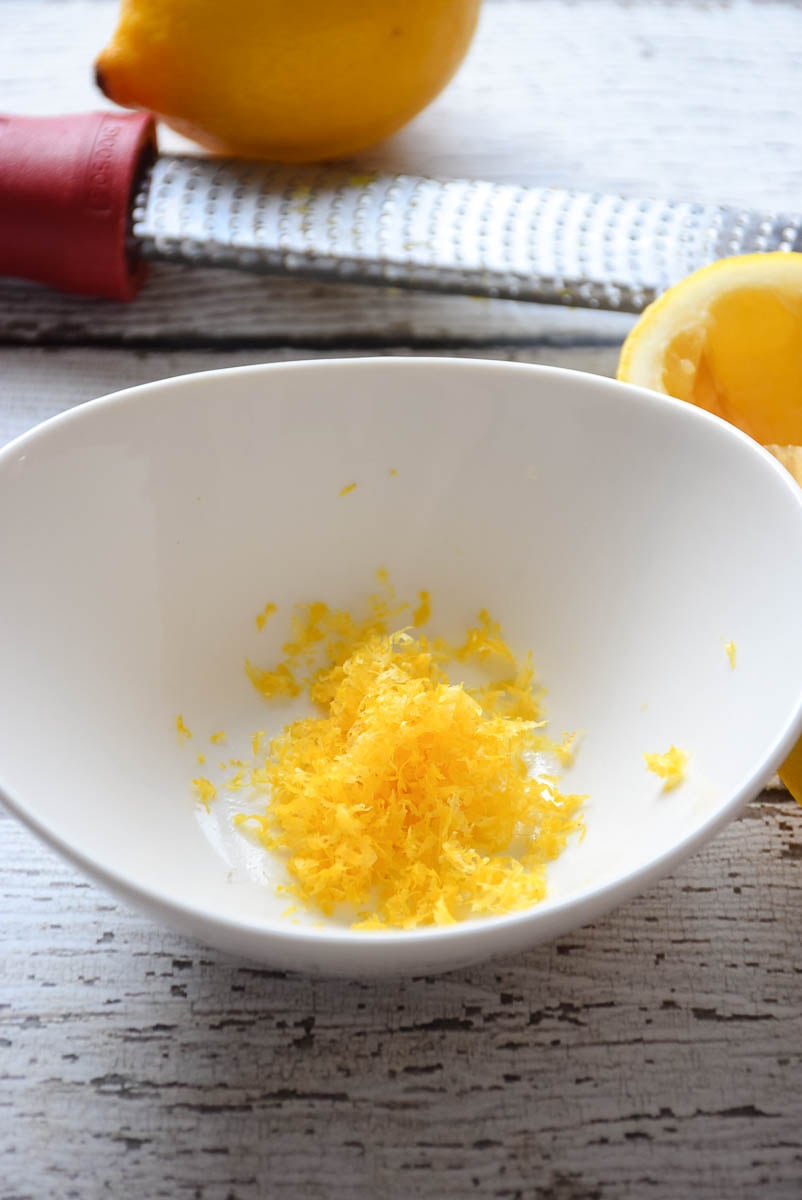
[(656, 1054)]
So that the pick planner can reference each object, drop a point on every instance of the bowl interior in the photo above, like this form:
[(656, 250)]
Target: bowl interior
[(624, 538)]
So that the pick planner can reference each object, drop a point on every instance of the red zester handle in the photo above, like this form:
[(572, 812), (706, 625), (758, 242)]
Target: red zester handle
[(66, 188)]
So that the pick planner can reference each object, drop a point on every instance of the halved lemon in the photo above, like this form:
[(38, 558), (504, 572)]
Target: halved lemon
[(729, 339)]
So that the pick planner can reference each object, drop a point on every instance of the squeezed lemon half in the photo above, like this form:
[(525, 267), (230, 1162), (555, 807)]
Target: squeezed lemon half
[(729, 339)]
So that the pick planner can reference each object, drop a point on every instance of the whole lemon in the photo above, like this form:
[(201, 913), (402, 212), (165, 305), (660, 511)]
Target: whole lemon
[(288, 80)]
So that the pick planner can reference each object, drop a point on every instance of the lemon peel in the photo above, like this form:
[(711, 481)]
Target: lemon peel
[(670, 766)]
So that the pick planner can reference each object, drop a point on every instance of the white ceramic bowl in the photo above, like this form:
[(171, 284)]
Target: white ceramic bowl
[(623, 536)]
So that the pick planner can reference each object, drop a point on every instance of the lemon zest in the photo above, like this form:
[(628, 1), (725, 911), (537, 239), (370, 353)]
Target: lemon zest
[(181, 728), (263, 617), (205, 790), (670, 766), (278, 682), (410, 801), (424, 610)]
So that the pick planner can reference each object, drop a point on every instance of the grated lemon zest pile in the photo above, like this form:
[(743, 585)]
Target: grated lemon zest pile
[(410, 802), (670, 766)]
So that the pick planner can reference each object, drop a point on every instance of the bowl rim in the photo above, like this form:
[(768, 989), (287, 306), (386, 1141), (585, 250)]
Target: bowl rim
[(559, 916)]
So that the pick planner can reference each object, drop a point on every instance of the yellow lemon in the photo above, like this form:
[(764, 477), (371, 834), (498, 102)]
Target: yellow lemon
[(290, 81), (729, 339)]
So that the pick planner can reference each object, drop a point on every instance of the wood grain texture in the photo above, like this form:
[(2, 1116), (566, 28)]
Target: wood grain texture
[(682, 99), (656, 1054)]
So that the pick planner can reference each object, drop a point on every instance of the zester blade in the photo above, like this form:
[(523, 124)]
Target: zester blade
[(464, 236)]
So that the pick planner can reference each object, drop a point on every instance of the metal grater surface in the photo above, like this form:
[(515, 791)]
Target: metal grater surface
[(483, 239)]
